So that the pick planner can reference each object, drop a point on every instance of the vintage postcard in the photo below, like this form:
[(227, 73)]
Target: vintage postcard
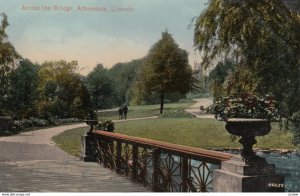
[(149, 96)]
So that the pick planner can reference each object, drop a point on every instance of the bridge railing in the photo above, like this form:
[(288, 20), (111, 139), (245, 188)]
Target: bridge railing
[(160, 166)]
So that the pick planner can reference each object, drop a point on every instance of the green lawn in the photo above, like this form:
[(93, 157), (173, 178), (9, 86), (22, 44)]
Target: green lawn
[(146, 110), (202, 133), (175, 126)]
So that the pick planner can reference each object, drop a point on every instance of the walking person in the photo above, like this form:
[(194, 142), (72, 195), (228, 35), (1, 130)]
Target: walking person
[(120, 113), (125, 111)]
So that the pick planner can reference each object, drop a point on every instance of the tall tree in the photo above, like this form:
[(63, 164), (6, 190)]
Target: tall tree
[(166, 69), (23, 89), (264, 39), (62, 91), (123, 75), (8, 55), (101, 88)]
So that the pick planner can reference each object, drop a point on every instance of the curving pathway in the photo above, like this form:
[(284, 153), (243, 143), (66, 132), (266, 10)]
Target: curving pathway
[(34, 145), (195, 109), (42, 136), (30, 162)]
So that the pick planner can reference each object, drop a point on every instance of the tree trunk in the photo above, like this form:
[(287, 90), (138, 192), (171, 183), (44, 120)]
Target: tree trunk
[(162, 97)]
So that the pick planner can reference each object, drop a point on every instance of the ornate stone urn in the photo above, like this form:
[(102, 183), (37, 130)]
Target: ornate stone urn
[(87, 143), (248, 172), (248, 129), (91, 123)]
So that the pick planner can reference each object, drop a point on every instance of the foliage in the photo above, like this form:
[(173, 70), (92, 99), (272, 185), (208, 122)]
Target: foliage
[(62, 121), (123, 75), (263, 38), (92, 115), (8, 55), (139, 96), (218, 76), (246, 106), (241, 81), (241, 27), (165, 70), (101, 88), (17, 126), (22, 93), (201, 83), (106, 125), (62, 92), (176, 113)]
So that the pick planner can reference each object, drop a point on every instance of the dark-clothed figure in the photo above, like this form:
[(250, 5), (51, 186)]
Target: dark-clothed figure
[(125, 111), (120, 113)]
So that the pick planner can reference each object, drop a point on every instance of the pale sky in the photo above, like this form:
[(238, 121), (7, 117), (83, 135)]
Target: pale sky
[(43, 30)]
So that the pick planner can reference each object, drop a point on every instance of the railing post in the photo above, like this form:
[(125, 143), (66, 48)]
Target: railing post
[(185, 173), (135, 156), (236, 175), (87, 148), (87, 144), (119, 156), (156, 169)]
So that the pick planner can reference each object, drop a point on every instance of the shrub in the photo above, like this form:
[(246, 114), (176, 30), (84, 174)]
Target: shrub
[(246, 106), (176, 113), (16, 126), (106, 125), (37, 122), (64, 121)]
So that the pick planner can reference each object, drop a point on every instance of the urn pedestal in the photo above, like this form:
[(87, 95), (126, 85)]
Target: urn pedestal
[(87, 143), (247, 172)]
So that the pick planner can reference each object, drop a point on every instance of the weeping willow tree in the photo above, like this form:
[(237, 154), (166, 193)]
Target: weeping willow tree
[(263, 39), (7, 60)]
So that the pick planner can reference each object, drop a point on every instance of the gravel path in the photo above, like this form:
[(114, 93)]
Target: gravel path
[(34, 145), (42, 136), (195, 109)]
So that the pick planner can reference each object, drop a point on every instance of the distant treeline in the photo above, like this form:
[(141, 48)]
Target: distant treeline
[(55, 90)]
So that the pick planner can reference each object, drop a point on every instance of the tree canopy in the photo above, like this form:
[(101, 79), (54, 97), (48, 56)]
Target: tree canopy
[(23, 89), (165, 69), (62, 92), (123, 75), (101, 88), (218, 76), (8, 57), (263, 39)]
